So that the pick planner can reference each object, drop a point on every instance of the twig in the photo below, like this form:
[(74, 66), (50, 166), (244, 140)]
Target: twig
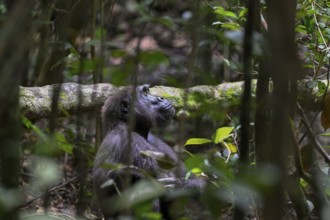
[(321, 198), (298, 161), (56, 188), (315, 143), (322, 102)]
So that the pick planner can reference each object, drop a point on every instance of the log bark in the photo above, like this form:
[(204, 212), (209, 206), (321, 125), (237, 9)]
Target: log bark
[(35, 102)]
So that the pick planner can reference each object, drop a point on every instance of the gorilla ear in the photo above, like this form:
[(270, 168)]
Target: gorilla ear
[(124, 105)]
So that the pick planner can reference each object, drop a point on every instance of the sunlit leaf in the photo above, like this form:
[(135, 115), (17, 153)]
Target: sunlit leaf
[(197, 141), (231, 147), (222, 133), (242, 13), (221, 11), (325, 134), (231, 25), (197, 171)]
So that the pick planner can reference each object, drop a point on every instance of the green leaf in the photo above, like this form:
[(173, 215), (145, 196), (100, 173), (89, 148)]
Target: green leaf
[(151, 216), (242, 13), (301, 29), (166, 21), (194, 161), (221, 11), (327, 30), (28, 124), (153, 58), (325, 134), (197, 141), (197, 171), (76, 66), (100, 33), (63, 144), (118, 53), (222, 133), (310, 12), (322, 87), (231, 25), (231, 147), (163, 160)]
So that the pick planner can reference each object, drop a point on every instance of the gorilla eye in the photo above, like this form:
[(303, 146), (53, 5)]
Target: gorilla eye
[(145, 91)]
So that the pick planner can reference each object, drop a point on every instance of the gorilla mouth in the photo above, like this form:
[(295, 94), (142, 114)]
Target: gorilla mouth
[(167, 107)]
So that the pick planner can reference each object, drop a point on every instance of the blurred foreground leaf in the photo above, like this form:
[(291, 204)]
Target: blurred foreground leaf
[(163, 160)]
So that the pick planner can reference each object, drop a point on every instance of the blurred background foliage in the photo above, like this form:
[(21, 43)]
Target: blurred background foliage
[(159, 42)]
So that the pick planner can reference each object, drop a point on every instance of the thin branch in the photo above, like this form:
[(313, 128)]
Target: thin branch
[(312, 137), (56, 188), (321, 102), (298, 160)]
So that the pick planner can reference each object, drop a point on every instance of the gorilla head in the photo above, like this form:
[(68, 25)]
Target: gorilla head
[(149, 110)]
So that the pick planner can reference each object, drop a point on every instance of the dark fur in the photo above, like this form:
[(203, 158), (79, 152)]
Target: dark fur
[(149, 111)]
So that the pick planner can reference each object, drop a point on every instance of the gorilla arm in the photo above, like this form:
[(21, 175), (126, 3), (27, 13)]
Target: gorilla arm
[(178, 180), (115, 151)]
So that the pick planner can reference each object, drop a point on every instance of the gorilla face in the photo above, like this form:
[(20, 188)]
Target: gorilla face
[(149, 110), (154, 109)]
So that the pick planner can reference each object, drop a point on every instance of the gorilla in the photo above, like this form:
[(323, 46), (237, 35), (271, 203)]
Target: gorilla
[(116, 149)]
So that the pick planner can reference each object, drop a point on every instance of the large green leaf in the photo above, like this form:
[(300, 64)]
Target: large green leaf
[(222, 133), (221, 11), (153, 58)]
